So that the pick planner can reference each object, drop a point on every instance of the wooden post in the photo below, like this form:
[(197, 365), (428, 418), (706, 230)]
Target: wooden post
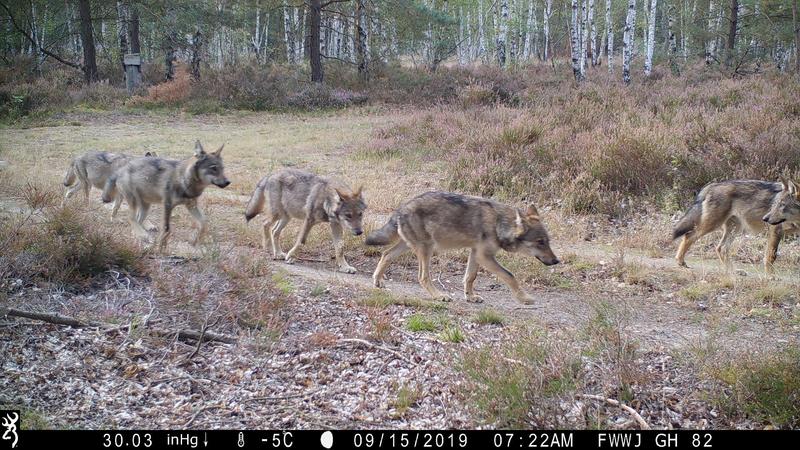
[(133, 72)]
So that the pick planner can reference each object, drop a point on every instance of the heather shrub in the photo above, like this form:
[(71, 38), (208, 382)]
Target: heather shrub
[(320, 96), (598, 146), (58, 245)]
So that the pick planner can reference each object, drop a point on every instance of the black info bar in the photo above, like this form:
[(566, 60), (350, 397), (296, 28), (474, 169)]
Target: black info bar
[(388, 439)]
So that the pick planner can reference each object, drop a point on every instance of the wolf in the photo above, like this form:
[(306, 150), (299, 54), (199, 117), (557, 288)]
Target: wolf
[(145, 181), (442, 220), (736, 205), (297, 194), (92, 169)]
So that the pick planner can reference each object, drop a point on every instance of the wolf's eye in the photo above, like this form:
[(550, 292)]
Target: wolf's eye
[(541, 242)]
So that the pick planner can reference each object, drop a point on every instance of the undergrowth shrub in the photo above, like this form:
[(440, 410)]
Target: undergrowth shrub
[(57, 245)]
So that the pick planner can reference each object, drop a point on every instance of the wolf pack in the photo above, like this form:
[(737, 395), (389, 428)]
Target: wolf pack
[(428, 223)]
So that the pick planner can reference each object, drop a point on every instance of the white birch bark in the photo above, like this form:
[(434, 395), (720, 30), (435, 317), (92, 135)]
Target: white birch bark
[(583, 37), (575, 42), (711, 43), (481, 32), (548, 11), (502, 34), (673, 43), (651, 39), (609, 38), (287, 33), (592, 33), (628, 41)]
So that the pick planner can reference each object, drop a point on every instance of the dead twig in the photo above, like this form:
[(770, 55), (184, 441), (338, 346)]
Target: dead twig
[(378, 347), (642, 424), (59, 319)]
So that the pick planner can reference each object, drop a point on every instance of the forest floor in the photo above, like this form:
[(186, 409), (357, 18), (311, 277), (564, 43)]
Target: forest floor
[(336, 352)]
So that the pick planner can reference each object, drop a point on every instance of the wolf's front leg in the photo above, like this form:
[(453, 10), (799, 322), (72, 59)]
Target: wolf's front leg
[(489, 263), (199, 219), (301, 239), (338, 248)]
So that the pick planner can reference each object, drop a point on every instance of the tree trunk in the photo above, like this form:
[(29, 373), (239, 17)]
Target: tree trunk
[(481, 32), (546, 27), (502, 33), (711, 42), (87, 42), (796, 25), (197, 49), (314, 53), (651, 38), (122, 31), (673, 43), (731, 44), (592, 35), (610, 38), (583, 37), (288, 35), (170, 42), (133, 30), (575, 42), (628, 41), (361, 40)]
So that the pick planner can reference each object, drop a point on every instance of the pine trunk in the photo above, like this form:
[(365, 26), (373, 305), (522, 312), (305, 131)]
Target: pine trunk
[(87, 42)]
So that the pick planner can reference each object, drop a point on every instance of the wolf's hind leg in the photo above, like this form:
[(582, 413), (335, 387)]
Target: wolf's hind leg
[(424, 254), (115, 208), (469, 277), (301, 239), (386, 258), (133, 215), (275, 238), (729, 231)]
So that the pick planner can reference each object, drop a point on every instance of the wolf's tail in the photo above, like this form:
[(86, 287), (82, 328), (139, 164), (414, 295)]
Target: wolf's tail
[(70, 176), (256, 203), (385, 235), (110, 189), (690, 219)]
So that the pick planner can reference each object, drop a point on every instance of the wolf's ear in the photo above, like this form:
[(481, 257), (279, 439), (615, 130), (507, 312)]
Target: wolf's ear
[(357, 192), (148, 154), (219, 150), (532, 213), (784, 184), (794, 189), (342, 195), (198, 149), (519, 225)]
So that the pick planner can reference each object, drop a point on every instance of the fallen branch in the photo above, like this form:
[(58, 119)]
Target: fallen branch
[(371, 345), (59, 319), (642, 424)]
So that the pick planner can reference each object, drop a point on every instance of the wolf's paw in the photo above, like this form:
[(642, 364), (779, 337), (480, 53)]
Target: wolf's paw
[(473, 298), (378, 283), (525, 298), (442, 297), (683, 264), (279, 256), (347, 268), (290, 259)]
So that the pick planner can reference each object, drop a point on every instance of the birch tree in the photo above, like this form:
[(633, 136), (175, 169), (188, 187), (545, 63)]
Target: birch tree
[(592, 34), (651, 39), (711, 42), (548, 11), (628, 41), (575, 42), (502, 34), (609, 38)]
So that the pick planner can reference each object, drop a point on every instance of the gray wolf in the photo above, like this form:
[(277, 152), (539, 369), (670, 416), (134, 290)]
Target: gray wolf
[(441, 221), (145, 181), (296, 194), (734, 205), (92, 169)]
